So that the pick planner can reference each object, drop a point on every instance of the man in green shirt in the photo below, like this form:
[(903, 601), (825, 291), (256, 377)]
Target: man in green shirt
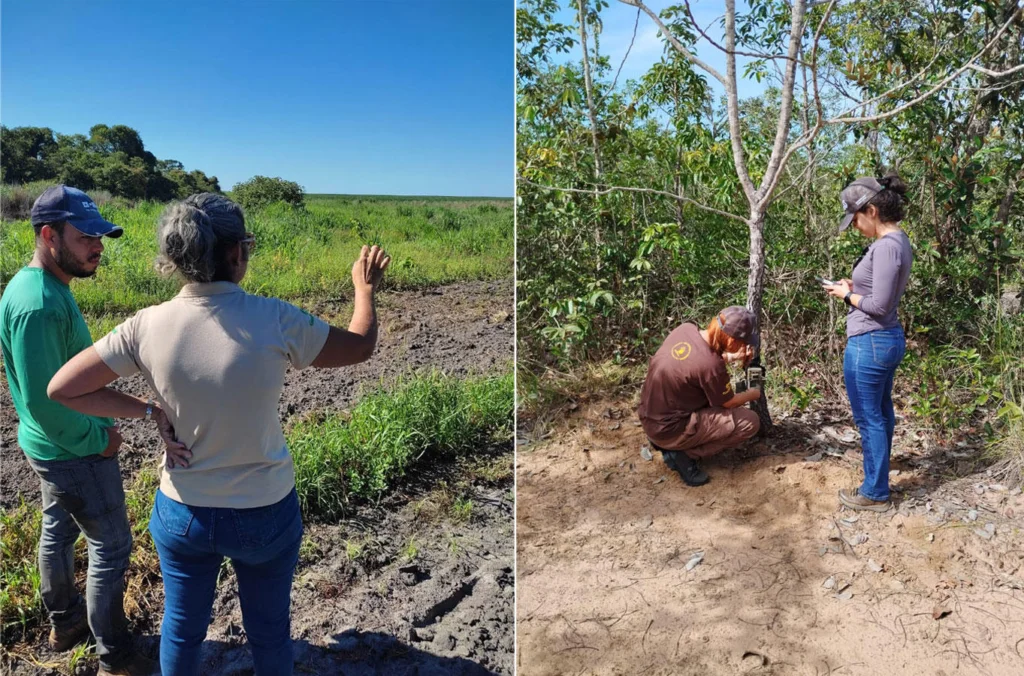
[(74, 455)]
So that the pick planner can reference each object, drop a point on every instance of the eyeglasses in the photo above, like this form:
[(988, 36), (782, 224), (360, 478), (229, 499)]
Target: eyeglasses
[(250, 240)]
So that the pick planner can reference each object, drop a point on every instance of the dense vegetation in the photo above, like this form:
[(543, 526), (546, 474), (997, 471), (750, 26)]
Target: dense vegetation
[(634, 216), (261, 191), (110, 159), (302, 254)]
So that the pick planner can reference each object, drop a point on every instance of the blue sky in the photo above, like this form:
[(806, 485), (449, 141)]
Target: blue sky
[(383, 96)]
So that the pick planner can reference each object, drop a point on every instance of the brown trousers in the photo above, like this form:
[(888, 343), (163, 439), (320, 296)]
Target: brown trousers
[(710, 431)]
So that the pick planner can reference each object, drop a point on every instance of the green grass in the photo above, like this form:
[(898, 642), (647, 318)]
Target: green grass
[(20, 603), (340, 459), (301, 254), (454, 503), (411, 550)]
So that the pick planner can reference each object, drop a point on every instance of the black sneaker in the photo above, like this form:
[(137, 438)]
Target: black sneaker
[(690, 471), (685, 466)]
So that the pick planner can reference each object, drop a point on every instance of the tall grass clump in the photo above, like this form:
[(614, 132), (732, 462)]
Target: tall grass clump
[(16, 200), (342, 458), (1008, 444), (21, 606)]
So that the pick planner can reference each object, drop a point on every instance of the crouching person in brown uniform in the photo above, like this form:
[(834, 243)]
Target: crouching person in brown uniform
[(687, 406)]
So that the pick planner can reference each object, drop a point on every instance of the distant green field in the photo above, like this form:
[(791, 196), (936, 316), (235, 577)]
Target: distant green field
[(433, 199), (302, 254)]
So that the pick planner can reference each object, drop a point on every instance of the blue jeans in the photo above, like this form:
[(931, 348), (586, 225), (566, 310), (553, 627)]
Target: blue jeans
[(85, 496), (869, 367), (263, 545)]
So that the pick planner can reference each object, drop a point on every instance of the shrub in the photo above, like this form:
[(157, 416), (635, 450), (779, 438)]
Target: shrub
[(261, 191)]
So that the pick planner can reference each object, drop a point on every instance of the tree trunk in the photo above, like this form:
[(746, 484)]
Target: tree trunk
[(589, 87), (755, 297)]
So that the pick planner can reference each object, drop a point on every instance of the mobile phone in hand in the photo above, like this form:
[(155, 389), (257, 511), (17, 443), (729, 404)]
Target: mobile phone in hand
[(825, 282)]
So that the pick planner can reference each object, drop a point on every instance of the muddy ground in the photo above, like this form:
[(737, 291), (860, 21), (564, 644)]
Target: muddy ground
[(623, 569), (401, 587)]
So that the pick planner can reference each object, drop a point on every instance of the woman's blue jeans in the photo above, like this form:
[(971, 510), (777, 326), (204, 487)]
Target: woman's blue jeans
[(263, 545), (869, 367)]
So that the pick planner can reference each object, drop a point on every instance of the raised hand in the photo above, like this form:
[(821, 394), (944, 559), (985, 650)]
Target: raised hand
[(368, 270)]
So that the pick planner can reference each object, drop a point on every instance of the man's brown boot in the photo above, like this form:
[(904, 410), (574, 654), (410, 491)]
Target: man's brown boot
[(138, 665), (66, 639), (851, 497)]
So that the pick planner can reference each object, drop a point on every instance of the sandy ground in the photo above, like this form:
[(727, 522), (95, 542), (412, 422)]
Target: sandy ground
[(789, 582), (448, 609)]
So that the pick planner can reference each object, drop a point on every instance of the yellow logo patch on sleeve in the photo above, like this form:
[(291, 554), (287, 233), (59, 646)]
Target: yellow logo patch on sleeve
[(680, 351)]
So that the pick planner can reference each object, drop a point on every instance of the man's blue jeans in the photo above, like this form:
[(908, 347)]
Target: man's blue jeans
[(85, 496), (869, 367), (263, 545)]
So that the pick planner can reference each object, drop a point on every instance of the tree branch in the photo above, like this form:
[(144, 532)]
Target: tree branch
[(673, 41), (796, 33), (589, 88), (651, 191), (806, 171), (938, 86), (636, 24), (996, 74), (753, 55), (808, 136), (733, 105), (903, 85), (814, 60)]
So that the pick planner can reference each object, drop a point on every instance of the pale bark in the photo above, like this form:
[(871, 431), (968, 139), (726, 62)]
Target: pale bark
[(588, 86), (796, 32), (755, 296), (733, 105), (674, 41)]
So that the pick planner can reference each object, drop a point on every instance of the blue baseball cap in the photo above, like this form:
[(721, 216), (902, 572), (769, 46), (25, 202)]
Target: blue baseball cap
[(64, 204)]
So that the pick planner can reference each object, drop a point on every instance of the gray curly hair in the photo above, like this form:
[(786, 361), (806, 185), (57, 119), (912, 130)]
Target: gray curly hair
[(194, 234)]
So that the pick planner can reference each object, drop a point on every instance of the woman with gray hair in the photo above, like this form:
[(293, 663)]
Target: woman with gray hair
[(216, 358)]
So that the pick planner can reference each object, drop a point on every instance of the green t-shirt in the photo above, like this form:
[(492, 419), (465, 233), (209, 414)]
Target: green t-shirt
[(41, 328)]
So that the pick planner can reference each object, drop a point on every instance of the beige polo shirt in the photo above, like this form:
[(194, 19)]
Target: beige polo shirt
[(215, 356)]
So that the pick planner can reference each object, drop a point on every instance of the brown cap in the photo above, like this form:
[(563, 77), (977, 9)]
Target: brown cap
[(855, 196), (739, 322)]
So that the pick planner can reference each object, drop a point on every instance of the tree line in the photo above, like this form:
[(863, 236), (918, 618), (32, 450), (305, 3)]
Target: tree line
[(110, 158)]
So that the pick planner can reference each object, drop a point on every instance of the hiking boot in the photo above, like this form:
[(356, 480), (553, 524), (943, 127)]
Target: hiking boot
[(852, 498), (138, 665), (686, 467), (67, 638)]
